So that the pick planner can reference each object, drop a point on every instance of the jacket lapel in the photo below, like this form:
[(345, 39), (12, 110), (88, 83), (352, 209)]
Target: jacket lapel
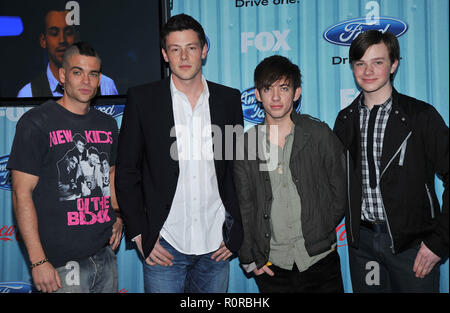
[(396, 131), (218, 116), (166, 122), (215, 107), (301, 135)]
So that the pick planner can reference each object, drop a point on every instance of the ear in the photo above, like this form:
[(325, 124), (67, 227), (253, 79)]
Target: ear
[(99, 79), (394, 66), (62, 75), (164, 55), (257, 95), (42, 41), (297, 94), (204, 51)]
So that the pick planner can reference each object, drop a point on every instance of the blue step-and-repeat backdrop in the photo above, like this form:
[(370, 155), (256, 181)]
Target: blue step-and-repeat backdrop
[(315, 34)]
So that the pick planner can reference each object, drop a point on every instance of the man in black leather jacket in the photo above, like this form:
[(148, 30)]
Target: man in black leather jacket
[(395, 146)]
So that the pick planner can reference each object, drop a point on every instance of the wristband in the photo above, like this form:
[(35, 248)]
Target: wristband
[(39, 263)]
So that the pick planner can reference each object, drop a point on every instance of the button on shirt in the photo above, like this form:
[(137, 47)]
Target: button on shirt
[(372, 202), (194, 224)]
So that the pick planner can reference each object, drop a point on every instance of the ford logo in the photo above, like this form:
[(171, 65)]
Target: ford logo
[(115, 110), (345, 32), (16, 287), (5, 175), (252, 109)]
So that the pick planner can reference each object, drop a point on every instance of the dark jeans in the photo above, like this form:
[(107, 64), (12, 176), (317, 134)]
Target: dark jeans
[(373, 267), (323, 276)]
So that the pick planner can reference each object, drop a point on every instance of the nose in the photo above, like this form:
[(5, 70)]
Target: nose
[(368, 69), (184, 54), (275, 94), (85, 79), (61, 37)]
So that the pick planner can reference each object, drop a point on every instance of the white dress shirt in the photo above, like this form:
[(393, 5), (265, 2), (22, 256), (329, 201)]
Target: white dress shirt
[(194, 224)]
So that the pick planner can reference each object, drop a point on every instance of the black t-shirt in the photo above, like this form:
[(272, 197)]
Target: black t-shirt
[(72, 155)]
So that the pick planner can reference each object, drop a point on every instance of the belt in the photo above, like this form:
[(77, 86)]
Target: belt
[(377, 227)]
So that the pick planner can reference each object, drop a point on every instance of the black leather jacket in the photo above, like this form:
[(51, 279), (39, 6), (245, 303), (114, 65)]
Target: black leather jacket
[(415, 148)]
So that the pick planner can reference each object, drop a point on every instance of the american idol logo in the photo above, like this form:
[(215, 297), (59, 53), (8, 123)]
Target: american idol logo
[(114, 110), (253, 110), (16, 287), (5, 175), (345, 32)]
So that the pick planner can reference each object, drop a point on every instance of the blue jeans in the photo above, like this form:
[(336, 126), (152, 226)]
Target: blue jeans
[(189, 273), (374, 268), (95, 274)]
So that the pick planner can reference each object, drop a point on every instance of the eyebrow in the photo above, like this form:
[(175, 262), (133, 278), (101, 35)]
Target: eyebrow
[(53, 28), (188, 44), (79, 68), (373, 59)]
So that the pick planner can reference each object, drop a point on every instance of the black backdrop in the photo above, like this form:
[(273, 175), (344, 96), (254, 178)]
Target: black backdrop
[(125, 33)]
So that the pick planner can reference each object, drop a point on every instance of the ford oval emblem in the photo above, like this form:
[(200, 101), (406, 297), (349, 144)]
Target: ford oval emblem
[(345, 32)]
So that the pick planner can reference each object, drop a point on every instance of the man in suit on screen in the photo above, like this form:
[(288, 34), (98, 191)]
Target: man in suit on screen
[(56, 37)]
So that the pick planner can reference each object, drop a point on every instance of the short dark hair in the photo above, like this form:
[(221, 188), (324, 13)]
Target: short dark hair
[(182, 22), (372, 37), (274, 68), (57, 8), (81, 48)]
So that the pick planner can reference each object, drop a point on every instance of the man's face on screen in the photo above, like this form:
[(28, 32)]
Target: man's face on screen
[(184, 54), (58, 36)]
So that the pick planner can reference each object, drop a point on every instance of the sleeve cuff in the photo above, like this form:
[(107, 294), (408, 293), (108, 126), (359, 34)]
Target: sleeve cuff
[(249, 267)]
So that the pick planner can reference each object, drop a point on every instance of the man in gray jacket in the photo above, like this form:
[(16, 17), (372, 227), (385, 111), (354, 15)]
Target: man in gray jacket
[(291, 185)]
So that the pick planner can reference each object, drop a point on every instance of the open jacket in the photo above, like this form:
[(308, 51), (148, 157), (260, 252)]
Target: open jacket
[(317, 165), (147, 176), (415, 148)]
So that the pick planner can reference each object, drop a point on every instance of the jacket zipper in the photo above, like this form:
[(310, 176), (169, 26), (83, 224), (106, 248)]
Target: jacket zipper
[(431, 201), (348, 196), (402, 148)]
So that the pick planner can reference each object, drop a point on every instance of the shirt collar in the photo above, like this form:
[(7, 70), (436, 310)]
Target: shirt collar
[(52, 81), (265, 131), (386, 106), (174, 91)]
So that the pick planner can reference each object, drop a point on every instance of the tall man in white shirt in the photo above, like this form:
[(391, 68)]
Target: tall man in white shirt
[(178, 196)]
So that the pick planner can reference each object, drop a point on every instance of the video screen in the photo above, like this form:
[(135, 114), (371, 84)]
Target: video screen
[(35, 34)]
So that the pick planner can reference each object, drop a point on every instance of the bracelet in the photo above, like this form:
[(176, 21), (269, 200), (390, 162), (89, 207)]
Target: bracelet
[(39, 263)]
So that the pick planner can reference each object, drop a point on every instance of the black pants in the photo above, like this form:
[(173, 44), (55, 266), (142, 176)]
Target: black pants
[(323, 276), (373, 267)]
